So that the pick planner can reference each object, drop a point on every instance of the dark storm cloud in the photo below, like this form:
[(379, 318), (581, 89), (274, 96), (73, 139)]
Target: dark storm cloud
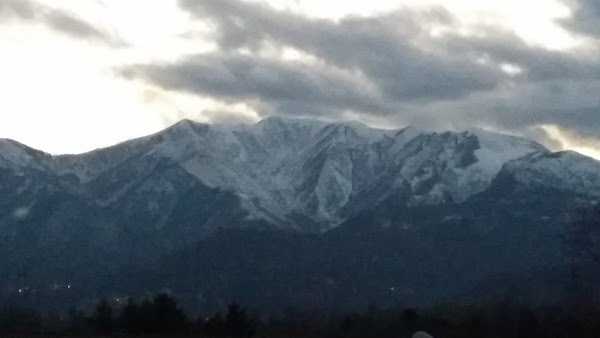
[(407, 76), (571, 104), (293, 86), (586, 17), (538, 64), (57, 20), (382, 47)]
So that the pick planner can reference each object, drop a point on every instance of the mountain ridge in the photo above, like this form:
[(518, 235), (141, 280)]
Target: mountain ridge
[(285, 166), (202, 209), (281, 167)]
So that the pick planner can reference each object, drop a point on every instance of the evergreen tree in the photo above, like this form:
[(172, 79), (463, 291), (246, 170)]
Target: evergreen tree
[(131, 319), (168, 316), (102, 318), (15, 319), (237, 322)]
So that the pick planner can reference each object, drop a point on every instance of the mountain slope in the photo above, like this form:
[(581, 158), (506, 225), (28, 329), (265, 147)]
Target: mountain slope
[(348, 193), (288, 169)]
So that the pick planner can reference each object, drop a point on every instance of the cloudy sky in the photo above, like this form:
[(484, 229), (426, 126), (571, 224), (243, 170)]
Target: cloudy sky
[(76, 75)]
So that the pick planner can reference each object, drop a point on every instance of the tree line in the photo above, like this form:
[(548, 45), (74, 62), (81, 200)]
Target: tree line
[(158, 315), (161, 316)]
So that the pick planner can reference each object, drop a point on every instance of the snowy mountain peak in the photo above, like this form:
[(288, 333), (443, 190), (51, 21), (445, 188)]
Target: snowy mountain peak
[(288, 120), (503, 142), (314, 125), (186, 126), (291, 171), (493, 152), (564, 170)]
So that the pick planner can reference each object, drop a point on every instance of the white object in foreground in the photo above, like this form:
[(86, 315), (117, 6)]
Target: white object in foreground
[(422, 334)]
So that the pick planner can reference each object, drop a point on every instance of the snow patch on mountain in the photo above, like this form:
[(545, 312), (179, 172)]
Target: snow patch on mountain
[(494, 151), (285, 168), (565, 170)]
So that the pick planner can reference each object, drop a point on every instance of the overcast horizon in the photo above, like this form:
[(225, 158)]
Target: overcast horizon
[(84, 75)]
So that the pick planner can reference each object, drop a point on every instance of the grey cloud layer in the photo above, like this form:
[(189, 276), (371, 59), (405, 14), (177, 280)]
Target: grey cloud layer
[(381, 47), (401, 71), (289, 86), (10, 9), (586, 18), (57, 20)]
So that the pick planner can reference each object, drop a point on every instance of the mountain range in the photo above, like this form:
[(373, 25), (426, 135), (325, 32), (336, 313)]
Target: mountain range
[(291, 212)]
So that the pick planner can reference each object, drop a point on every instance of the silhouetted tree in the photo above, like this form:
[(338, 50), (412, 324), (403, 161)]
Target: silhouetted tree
[(410, 315), (158, 315), (77, 321), (527, 324), (237, 322), (102, 318), (473, 325), (15, 319), (410, 318), (213, 326), (168, 316), (146, 312), (131, 319)]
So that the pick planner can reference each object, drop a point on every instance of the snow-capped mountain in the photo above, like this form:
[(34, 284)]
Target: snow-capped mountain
[(293, 171), (562, 171), (146, 199), (289, 171)]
